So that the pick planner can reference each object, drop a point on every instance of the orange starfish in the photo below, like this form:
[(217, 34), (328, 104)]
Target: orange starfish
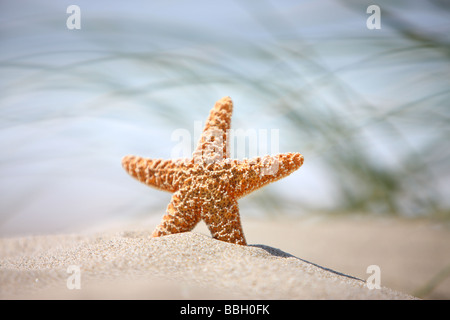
[(208, 186)]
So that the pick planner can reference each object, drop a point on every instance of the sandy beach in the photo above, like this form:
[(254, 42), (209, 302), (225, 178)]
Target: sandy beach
[(308, 258)]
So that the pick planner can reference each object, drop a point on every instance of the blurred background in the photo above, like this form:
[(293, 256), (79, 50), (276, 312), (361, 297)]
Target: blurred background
[(368, 109)]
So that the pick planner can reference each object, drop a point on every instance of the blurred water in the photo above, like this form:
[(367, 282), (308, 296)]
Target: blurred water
[(367, 108)]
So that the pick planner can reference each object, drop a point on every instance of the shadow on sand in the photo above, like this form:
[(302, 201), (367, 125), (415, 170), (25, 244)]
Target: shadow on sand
[(280, 253)]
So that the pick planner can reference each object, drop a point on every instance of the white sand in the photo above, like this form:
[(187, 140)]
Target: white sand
[(131, 265)]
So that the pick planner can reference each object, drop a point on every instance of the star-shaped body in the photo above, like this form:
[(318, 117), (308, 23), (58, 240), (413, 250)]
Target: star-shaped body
[(208, 186)]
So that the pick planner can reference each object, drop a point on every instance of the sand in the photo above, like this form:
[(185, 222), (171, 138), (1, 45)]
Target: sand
[(129, 264)]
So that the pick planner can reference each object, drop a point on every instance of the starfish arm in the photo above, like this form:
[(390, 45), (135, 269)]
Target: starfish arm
[(223, 221), (179, 217), (213, 144), (161, 174), (255, 173)]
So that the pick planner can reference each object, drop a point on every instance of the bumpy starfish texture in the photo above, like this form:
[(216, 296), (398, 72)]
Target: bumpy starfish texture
[(208, 186)]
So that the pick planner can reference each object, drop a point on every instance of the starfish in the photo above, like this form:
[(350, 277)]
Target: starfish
[(208, 185)]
